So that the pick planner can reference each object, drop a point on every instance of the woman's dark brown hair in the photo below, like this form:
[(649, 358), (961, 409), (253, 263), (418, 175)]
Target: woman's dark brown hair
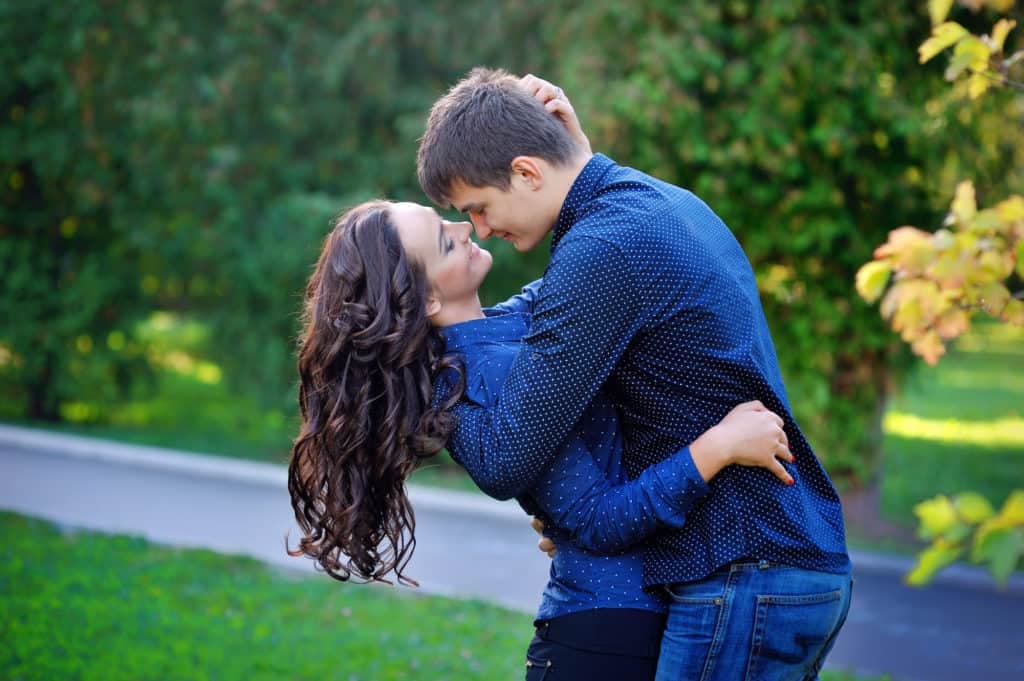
[(367, 362)]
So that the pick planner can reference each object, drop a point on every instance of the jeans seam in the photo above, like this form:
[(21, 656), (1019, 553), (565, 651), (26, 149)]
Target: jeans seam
[(800, 599), (721, 624), (760, 615)]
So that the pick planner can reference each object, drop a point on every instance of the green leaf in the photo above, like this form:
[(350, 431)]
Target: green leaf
[(943, 36), (974, 508), (957, 534), (872, 278), (1002, 551), (1020, 258), (957, 65), (930, 561)]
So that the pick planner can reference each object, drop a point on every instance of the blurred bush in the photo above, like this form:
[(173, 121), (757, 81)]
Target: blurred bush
[(187, 156)]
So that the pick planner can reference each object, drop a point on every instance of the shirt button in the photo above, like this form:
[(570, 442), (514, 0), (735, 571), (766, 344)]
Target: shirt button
[(535, 356)]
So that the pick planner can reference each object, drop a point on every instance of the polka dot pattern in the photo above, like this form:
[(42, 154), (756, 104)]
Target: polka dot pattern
[(590, 508), (649, 297)]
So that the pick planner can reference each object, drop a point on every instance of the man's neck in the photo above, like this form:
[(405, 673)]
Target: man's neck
[(565, 176)]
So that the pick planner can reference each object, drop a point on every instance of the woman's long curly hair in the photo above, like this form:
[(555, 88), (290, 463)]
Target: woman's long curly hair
[(367, 362)]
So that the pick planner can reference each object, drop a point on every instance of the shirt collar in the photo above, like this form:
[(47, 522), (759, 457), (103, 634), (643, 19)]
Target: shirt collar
[(587, 184), (497, 328)]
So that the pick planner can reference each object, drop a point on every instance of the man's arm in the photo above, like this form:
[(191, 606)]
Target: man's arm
[(586, 313), (522, 301)]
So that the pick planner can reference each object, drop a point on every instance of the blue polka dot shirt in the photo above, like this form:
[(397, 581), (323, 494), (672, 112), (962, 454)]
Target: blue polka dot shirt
[(590, 508), (649, 297)]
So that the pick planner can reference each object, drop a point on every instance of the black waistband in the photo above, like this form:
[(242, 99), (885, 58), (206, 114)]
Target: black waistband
[(616, 631)]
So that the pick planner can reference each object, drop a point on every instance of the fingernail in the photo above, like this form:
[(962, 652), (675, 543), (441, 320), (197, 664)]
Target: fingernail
[(791, 481)]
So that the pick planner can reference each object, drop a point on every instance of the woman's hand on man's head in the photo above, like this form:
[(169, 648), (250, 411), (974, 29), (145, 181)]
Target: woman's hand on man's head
[(555, 101)]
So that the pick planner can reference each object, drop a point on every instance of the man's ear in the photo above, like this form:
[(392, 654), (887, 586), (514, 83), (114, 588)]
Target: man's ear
[(529, 171), (433, 305)]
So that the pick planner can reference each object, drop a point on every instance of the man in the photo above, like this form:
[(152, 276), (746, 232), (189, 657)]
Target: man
[(648, 294)]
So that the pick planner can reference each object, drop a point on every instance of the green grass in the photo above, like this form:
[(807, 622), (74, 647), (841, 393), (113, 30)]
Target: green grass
[(958, 425), (92, 607)]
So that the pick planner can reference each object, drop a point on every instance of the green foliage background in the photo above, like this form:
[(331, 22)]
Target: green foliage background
[(185, 157)]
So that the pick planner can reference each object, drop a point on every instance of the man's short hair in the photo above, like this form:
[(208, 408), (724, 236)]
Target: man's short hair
[(475, 131)]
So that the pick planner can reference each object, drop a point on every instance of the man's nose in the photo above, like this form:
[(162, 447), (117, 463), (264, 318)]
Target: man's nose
[(480, 225)]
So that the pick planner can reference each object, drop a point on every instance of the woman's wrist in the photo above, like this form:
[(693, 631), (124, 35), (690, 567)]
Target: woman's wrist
[(709, 453)]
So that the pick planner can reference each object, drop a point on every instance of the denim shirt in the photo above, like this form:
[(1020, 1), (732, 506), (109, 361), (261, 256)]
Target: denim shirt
[(591, 510), (649, 297)]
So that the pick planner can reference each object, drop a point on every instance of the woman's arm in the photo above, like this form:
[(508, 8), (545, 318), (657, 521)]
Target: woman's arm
[(607, 518), (521, 302)]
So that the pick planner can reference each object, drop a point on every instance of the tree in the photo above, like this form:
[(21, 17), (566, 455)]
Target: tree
[(70, 267), (934, 284), (767, 112)]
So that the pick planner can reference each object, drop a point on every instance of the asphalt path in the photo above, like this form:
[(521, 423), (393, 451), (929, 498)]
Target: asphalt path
[(958, 629)]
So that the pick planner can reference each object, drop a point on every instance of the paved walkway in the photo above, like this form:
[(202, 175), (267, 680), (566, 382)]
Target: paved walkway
[(958, 629)]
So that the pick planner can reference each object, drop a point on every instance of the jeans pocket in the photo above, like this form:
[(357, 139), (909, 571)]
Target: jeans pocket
[(790, 632), (689, 638)]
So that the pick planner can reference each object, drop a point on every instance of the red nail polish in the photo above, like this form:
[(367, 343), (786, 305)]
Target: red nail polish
[(791, 481)]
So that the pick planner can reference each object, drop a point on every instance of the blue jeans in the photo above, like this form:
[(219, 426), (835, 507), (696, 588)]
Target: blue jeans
[(753, 621)]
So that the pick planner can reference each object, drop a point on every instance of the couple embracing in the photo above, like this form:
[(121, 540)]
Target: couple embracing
[(630, 399)]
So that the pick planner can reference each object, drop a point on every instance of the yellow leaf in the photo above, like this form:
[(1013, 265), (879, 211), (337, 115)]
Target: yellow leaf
[(943, 36), (1000, 31), (996, 264), (976, 50), (1013, 510), (1011, 210), (930, 561), (929, 347), (964, 205), (908, 315), (901, 239), (977, 85), (987, 220), (1001, 5), (952, 324), (973, 507), (938, 10), (1013, 313), (994, 298), (872, 278), (937, 515)]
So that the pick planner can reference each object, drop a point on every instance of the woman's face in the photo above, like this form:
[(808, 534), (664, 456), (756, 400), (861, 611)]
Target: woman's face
[(455, 266)]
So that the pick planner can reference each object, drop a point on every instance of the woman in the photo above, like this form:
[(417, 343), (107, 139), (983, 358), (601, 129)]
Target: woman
[(391, 307)]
